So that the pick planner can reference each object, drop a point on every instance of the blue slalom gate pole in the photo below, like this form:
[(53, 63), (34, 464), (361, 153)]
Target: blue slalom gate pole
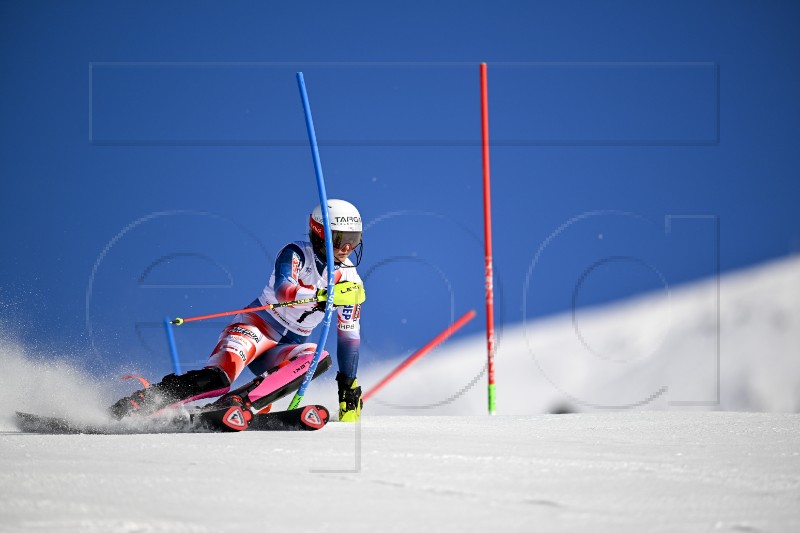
[(173, 349), (323, 202)]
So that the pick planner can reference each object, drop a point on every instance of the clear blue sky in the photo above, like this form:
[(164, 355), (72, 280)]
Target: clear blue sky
[(153, 158)]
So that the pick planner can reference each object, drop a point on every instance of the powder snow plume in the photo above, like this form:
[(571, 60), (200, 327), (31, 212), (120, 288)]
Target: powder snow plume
[(44, 384)]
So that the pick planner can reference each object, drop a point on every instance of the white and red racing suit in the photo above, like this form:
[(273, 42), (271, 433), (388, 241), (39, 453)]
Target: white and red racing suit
[(263, 339)]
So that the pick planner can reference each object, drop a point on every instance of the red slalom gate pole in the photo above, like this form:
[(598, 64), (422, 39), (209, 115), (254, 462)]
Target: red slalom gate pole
[(487, 238), (455, 326)]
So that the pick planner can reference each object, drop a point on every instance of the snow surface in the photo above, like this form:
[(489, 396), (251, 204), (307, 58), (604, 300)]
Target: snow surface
[(629, 471), (647, 450)]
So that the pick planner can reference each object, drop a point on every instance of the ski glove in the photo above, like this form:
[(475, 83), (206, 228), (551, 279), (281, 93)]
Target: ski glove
[(344, 293)]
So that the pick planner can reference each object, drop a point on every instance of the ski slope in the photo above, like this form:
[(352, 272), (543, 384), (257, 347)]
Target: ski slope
[(717, 449), (625, 471)]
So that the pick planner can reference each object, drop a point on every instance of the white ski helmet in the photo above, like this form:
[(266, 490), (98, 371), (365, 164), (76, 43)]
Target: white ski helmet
[(345, 228)]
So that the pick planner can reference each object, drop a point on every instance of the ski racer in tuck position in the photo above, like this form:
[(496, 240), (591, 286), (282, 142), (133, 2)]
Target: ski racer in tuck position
[(267, 341)]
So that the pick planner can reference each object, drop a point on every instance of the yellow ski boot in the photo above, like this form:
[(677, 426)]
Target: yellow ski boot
[(349, 398)]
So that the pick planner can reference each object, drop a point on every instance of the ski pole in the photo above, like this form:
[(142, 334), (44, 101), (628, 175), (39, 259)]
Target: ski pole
[(179, 321)]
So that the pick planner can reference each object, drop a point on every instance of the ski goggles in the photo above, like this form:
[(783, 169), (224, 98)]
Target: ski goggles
[(342, 238)]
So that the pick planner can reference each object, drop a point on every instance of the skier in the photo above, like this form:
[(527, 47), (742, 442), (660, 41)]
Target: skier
[(267, 340)]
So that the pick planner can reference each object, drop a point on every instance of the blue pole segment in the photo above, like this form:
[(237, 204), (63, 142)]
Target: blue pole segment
[(323, 202), (173, 349)]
